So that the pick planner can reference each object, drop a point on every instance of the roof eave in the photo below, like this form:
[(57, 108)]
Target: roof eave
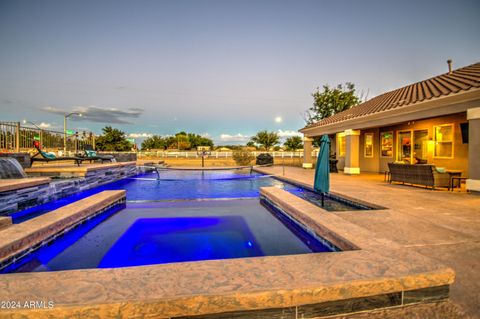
[(435, 107)]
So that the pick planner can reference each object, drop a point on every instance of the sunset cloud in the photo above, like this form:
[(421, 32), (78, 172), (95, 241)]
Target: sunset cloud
[(99, 114), (288, 133), (234, 138), (140, 135)]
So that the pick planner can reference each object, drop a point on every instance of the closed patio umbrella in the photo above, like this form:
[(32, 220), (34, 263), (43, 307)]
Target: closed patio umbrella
[(322, 169)]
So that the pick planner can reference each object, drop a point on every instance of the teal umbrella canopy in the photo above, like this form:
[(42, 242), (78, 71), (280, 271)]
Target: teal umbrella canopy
[(322, 169)]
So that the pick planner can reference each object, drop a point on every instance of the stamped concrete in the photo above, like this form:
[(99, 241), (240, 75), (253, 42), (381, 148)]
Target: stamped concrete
[(195, 288), (442, 225)]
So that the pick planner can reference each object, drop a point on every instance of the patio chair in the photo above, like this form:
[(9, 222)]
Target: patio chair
[(89, 154), (42, 156)]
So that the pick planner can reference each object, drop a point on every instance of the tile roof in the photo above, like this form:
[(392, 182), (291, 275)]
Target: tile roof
[(457, 81)]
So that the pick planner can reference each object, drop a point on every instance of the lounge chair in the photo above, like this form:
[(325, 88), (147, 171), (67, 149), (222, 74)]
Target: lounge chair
[(42, 156), (89, 154)]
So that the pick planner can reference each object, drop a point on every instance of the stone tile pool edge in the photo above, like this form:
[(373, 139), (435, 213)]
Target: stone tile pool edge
[(374, 270)]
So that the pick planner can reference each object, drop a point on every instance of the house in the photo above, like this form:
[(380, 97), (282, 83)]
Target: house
[(434, 121)]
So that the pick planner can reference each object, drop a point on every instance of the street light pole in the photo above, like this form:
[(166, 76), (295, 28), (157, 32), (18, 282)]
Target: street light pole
[(65, 130), (65, 135)]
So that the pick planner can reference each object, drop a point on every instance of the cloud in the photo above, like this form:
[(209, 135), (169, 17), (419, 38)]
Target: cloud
[(140, 135), (99, 114), (45, 125), (234, 138), (288, 133)]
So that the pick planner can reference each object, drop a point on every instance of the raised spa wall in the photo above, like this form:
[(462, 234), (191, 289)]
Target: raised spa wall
[(21, 194)]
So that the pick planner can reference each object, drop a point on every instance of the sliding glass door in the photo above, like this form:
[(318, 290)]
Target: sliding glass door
[(420, 146), (404, 145)]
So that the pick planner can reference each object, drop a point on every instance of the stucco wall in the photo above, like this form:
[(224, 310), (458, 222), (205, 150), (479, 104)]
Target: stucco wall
[(370, 164), (379, 164)]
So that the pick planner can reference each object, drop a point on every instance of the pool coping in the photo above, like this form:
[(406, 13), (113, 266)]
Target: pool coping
[(374, 268), (70, 170), (5, 221), (7, 185)]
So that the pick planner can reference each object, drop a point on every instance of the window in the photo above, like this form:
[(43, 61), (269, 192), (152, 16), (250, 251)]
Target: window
[(443, 141), (342, 144), (386, 144), (368, 145)]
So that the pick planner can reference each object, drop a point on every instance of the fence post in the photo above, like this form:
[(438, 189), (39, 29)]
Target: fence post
[(17, 137)]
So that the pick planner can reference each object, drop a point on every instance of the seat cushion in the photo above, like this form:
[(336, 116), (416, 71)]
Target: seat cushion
[(90, 153), (48, 155)]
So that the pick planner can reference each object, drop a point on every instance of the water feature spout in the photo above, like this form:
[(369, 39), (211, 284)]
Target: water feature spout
[(153, 168), (10, 168)]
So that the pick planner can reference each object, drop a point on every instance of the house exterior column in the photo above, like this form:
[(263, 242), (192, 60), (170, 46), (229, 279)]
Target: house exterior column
[(473, 181), (352, 156), (307, 152)]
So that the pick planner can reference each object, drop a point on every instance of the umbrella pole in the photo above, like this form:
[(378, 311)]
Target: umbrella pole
[(323, 199)]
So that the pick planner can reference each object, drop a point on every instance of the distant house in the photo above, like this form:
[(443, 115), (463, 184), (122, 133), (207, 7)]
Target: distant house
[(436, 121)]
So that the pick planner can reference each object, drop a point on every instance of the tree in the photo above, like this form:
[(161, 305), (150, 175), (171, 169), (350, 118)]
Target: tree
[(185, 141), (293, 143), (266, 139), (331, 101), (154, 142), (112, 140), (197, 140), (171, 142), (182, 141)]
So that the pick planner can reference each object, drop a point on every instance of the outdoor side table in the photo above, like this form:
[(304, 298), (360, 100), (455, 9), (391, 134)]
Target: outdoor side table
[(453, 174), (459, 180)]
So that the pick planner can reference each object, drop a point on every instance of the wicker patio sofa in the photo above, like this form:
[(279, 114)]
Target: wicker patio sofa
[(418, 174)]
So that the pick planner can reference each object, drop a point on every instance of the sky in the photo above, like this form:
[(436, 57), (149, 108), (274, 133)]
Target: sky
[(223, 69)]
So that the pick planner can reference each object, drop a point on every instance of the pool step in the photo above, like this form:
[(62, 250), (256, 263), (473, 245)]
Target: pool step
[(21, 237)]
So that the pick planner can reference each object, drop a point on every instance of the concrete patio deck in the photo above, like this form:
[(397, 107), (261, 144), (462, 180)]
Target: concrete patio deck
[(442, 225)]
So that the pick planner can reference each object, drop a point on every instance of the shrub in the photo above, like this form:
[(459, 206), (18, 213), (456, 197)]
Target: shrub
[(243, 157)]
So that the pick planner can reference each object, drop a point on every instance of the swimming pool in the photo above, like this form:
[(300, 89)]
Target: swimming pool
[(181, 185), (186, 215)]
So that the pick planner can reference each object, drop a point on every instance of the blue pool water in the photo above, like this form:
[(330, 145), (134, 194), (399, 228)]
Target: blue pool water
[(164, 232), (186, 185)]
